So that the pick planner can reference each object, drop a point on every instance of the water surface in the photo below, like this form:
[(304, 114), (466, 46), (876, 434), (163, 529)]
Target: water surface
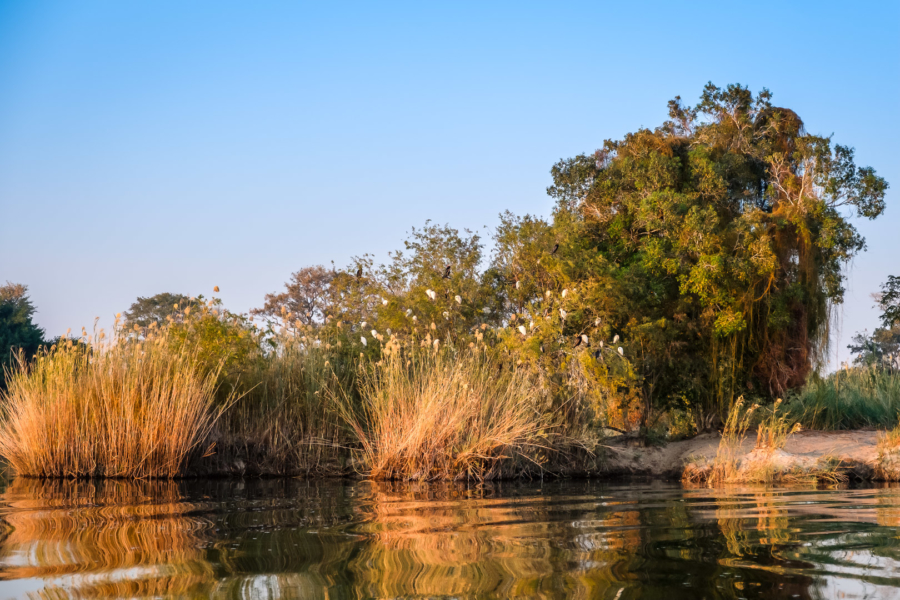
[(335, 540)]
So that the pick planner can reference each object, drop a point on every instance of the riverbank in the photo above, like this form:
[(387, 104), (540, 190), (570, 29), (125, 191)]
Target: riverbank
[(853, 455), (157, 407)]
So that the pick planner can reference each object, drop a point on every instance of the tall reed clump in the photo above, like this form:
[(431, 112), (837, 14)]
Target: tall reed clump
[(765, 462), (441, 415), (849, 399), (120, 408), (285, 423)]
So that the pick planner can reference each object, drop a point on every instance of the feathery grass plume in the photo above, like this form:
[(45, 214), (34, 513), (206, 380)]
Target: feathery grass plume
[(128, 407), (443, 415), (727, 461)]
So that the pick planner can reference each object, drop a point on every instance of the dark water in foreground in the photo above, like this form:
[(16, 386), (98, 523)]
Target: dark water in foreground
[(293, 539)]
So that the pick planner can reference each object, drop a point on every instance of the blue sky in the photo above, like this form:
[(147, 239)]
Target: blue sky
[(174, 146)]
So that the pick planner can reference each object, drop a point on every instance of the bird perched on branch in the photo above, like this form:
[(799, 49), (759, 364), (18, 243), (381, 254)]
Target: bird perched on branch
[(446, 273), (359, 273), (555, 248)]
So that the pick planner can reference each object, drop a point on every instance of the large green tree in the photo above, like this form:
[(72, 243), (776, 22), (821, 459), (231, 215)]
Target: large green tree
[(18, 332), (714, 245)]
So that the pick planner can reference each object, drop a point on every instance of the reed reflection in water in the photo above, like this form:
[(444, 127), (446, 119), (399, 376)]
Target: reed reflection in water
[(295, 539)]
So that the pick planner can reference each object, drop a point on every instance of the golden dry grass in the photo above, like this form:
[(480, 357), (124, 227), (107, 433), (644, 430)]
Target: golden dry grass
[(441, 415), (765, 464), (126, 408)]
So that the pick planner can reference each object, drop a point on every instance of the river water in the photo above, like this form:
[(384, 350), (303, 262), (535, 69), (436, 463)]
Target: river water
[(338, 539)]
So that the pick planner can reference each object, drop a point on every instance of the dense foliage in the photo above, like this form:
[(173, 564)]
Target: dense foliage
[(18, 332), (155, 309), (715, 244), (683, 267)]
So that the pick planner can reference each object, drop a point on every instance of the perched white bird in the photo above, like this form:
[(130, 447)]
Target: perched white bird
[(408, 311), (430, 294), (518, 284), (384, 301), (531, 325), (584, 339), (562, 314), (565, 292), (621, 352), (415, 318), (446, 315), (597, 322), (363, 340), (616, 338), (522, 329), (547, 293), (363, 325), (601, 343), (374, 334), (458, 299)]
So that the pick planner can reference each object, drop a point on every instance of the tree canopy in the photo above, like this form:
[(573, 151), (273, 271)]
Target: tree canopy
[(716, 243), (18, 332), (156, 309)]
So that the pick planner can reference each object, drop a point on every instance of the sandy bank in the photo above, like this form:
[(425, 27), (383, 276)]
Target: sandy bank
[(856, 452)]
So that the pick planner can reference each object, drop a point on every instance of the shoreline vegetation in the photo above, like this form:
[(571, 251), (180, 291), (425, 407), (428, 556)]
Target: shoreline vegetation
[(159, 406), (684, 285)]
